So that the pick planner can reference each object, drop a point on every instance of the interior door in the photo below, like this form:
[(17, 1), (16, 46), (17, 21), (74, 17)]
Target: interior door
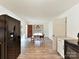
[(59, 30), (60, 27), (29, 30)]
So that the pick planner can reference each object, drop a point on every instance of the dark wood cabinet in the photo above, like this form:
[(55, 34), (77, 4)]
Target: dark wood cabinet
[(9, 37), (0, 50)]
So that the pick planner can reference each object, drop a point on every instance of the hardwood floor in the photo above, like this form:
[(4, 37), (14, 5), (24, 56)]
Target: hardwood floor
[(44, 51)]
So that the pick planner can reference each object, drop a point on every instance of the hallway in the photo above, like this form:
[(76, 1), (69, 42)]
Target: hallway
[(30, 51)]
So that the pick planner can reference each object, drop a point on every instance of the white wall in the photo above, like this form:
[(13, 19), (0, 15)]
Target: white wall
[(72, 21), (3, 10), (50, 29), (46, 30)]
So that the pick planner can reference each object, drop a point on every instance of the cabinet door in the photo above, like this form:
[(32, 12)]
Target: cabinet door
[(11, 43), (17, 31), (2, 27), (13, 40)]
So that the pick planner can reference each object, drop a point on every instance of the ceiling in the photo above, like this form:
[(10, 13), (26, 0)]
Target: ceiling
[(38, 8)]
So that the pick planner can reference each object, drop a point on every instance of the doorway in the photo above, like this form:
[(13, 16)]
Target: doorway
[(29, 31)]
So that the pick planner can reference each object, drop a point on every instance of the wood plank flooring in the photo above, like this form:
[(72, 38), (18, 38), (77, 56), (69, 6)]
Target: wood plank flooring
[(45, 51)]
